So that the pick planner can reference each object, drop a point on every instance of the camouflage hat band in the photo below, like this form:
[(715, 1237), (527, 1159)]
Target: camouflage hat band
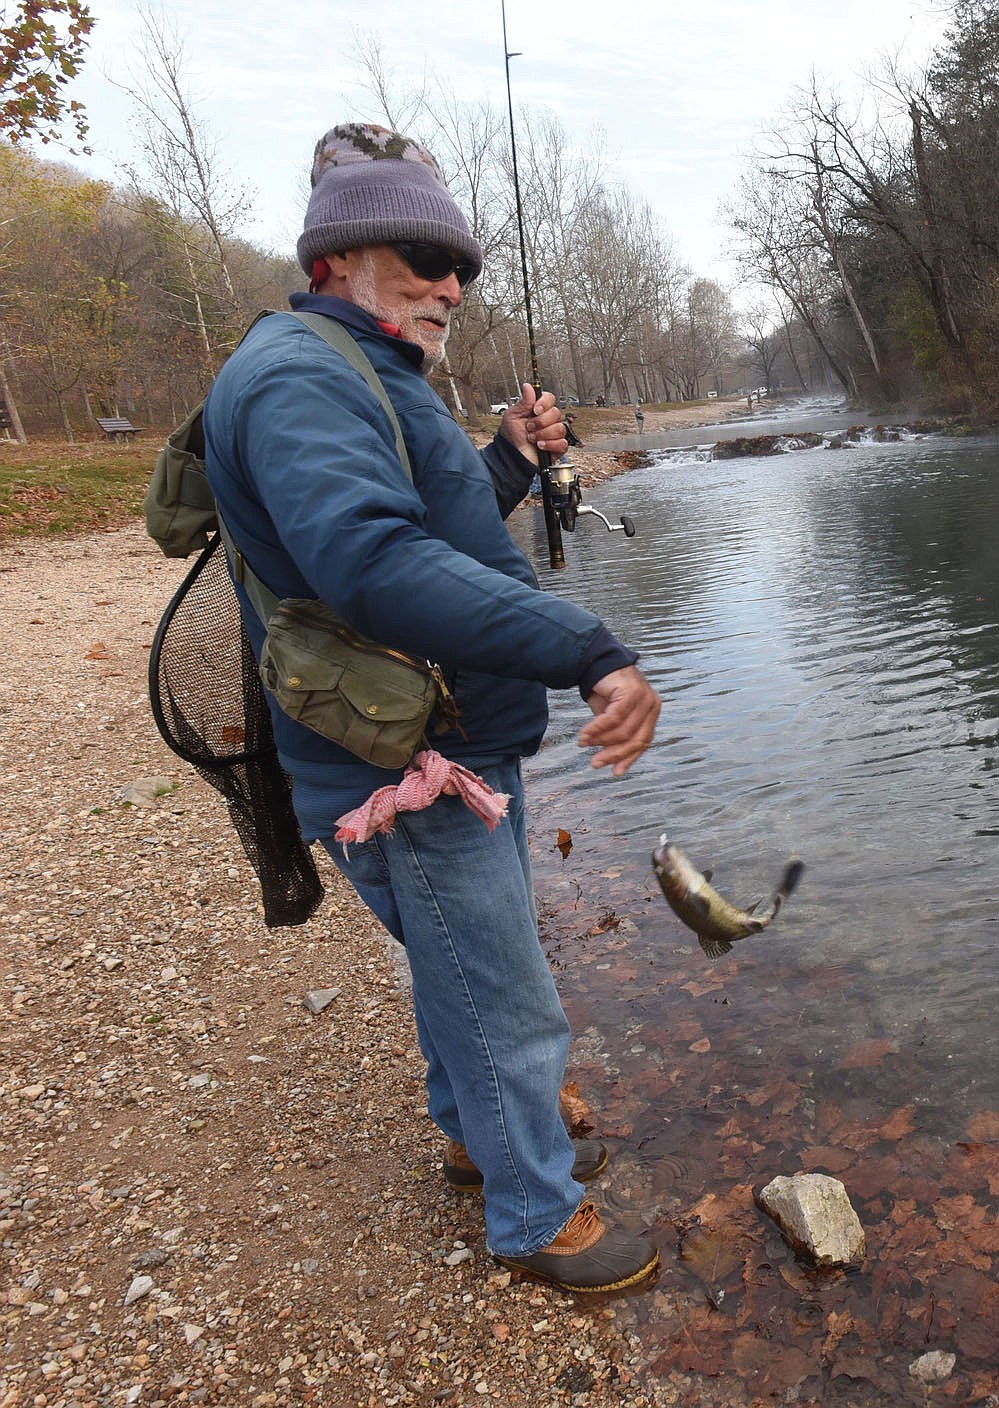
[(372, 186)]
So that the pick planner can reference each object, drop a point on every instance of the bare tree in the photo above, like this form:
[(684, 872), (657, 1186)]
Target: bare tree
[(197, 208)]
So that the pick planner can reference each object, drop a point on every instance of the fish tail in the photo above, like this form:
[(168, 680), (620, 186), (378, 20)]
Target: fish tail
[(793, 873), (788, 884)]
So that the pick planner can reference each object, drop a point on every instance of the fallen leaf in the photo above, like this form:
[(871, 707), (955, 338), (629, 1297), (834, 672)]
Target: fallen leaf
[(984, 1126), (98, 651), (900, 1123), (856, 1366), (700, 1046), (825, 1160), (980, 1164), (563, 843), (839, 1324), (699, 987), (866, 1053), (575, 1111), (781, 1095)]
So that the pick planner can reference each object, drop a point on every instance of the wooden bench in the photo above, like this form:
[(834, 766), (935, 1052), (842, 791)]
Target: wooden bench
[(117, 428)]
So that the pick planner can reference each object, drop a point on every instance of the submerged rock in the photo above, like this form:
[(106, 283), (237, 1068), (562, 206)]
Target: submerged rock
[(816, 1216), (934, 1367)]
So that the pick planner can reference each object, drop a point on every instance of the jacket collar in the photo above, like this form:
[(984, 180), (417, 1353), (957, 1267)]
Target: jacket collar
[(354, 317)]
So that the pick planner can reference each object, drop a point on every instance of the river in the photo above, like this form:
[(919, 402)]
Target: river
[(823, 627)]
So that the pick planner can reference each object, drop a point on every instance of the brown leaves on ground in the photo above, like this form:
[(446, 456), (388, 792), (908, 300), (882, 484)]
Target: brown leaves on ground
[(575, 1111), (984, 1126), (867, 1053), (977, 1165)]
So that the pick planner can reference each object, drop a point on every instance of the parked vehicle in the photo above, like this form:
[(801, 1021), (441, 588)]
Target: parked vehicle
[(499, 407)]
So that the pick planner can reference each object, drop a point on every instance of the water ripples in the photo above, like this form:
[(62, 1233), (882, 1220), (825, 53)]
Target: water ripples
[(824, 630)]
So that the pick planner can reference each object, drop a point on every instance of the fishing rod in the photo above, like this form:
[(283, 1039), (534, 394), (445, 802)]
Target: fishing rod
[(561, 488)]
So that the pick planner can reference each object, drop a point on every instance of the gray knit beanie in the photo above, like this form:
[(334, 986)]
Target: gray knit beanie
[(372, 186)]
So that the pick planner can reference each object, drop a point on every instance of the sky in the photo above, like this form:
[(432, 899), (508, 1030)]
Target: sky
[(680, 90)]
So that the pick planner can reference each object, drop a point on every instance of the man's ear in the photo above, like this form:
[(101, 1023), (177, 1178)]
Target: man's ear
[(320, 273)]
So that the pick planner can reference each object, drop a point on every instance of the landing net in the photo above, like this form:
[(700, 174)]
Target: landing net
[(209, 706)]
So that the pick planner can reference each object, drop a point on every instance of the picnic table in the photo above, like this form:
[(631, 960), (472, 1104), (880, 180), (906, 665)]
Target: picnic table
[(117, 428)]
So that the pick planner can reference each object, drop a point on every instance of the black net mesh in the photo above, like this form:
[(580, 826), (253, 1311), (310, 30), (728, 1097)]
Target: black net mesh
[(209, 706)]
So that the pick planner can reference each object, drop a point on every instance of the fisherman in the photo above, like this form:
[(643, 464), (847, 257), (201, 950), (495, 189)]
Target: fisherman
[(302, 460), (639, 417)]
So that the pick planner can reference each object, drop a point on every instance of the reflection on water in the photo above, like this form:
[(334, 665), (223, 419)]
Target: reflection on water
[(824, 629)]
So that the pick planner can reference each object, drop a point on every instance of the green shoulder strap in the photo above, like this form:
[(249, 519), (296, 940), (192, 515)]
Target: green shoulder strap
[(263, 599)]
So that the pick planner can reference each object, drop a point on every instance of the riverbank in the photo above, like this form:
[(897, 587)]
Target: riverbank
[(599, 424), (208, 1194), (51, 489)]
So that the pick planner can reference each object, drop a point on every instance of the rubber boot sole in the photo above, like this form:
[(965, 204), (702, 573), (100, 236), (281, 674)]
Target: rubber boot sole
[(567, 1285)]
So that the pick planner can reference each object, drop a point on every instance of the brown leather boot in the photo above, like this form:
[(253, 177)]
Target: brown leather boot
[(462, 1175), (587, 1255)]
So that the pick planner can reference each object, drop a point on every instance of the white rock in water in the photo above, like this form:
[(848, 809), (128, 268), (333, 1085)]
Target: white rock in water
[(934, 1367), (816, 1216)]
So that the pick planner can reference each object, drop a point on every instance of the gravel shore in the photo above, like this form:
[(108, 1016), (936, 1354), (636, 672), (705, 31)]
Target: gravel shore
[(209, 1194)]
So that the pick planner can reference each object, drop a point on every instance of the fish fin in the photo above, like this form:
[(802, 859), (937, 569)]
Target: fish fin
[(752, 908), (707, 874), (714, 948), (701, 905)]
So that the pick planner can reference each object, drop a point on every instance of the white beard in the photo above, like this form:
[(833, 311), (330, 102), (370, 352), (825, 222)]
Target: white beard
[(411, 318)]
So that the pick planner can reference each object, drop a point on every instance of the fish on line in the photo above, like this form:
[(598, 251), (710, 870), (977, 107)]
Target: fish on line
[(717, 923)]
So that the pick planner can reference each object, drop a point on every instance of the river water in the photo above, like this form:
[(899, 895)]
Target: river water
[(823, 627)]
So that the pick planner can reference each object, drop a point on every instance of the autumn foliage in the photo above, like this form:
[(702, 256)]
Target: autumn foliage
[(41, 48)]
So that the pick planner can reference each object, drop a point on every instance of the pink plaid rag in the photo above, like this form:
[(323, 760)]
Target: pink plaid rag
[(428, 775)]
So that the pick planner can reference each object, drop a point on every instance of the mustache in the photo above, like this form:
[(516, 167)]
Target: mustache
[(433, 315)]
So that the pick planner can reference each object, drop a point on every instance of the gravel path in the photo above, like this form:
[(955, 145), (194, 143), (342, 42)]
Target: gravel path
[(208, 1194)]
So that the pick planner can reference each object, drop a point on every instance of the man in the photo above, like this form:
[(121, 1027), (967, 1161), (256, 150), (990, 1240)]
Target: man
[(301, 457)]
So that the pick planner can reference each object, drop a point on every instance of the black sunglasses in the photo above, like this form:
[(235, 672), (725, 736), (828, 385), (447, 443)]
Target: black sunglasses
[(430, 261)]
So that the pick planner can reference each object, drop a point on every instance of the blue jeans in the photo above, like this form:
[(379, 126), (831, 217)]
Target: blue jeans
[(488, 1018)]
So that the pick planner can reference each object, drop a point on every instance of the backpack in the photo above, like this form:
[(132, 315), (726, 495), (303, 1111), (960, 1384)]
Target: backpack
[(204, 684), (179, 506)]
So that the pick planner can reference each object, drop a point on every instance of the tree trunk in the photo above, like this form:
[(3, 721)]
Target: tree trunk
[(7, 396), (789, 342), (455, 394), (64, 417)]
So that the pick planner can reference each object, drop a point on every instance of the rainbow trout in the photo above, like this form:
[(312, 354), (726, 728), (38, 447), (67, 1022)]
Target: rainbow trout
[(717, 924)]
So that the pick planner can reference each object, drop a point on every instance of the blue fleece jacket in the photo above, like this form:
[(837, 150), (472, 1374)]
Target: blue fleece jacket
[(301, 458)]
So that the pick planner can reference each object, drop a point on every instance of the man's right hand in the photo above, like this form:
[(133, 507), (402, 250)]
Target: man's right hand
[(626, 708)]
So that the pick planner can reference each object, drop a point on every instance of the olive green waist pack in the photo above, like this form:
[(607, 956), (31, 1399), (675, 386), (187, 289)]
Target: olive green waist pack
[(370, 699)]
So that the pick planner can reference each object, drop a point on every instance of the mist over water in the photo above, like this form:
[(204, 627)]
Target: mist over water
[(823, 627)]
